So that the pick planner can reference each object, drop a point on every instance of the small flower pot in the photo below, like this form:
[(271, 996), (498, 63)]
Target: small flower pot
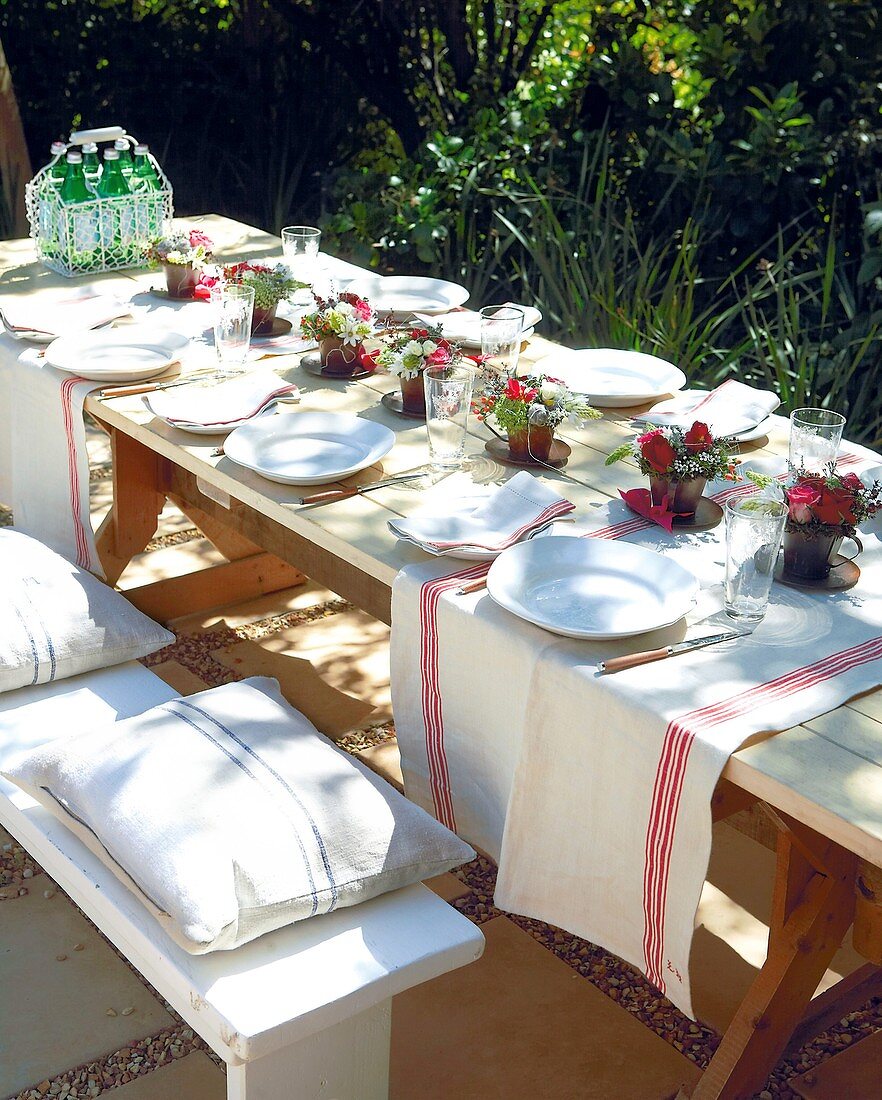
[(180, 279), (413, 394), (683, 496), (809, 553), (262, 320), (531, 443), (340, 358)]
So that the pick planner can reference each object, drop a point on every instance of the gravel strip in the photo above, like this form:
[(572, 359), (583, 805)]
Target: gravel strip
[(365, 738), (173, 538)]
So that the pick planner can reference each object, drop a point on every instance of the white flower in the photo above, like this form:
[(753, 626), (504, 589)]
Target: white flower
[(549, 392), (428, 347), (351, 330), (413, 347)]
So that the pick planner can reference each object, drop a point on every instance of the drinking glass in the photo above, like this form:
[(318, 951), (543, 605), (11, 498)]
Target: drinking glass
[(501, 328), (300, 245), (448, 398), (754, 528), (233, 308), (815, 435)]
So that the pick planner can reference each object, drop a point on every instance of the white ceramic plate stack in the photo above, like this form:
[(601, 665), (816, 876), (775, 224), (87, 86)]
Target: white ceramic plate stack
[(591, 588), (613, 379), (309, 448), (129, 354), (402, 295)]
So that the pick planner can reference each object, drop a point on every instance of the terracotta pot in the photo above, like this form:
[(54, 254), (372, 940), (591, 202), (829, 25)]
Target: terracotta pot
[(530, 443), (262, 320), (809, 553), (180, 279), (340, 358), (413, 394), (685, 494)]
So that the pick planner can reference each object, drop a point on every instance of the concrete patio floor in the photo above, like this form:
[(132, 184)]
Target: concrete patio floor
[(542, 1015)]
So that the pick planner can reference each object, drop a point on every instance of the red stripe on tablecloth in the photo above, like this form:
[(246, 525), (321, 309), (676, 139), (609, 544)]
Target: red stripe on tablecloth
[(83, 557), (668, 787)]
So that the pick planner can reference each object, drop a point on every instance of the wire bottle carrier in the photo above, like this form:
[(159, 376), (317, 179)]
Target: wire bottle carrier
[(104, 234)]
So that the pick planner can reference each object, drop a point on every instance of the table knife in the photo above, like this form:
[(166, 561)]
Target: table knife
[(356, 490), (616, 664)]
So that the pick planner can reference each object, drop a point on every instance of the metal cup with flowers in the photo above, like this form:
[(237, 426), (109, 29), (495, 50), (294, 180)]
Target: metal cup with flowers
[(679, 463), (407, 352), (181, 254), (529, 410), (339, 325)]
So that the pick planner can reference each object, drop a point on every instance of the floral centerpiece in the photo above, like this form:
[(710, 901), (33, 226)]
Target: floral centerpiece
[(529, 410), (271, 286), (181, 254), (340, 326), (822, 510), (679, 463), (406, 353)]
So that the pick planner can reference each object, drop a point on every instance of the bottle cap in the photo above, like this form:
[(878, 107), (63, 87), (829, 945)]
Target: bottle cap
[(121, 144), (141, 150), (111, 154), (74, 157), (90, 147), (58, 148)]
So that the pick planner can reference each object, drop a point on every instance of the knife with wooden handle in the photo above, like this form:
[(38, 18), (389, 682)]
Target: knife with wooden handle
[(631, 660), (330, 495)]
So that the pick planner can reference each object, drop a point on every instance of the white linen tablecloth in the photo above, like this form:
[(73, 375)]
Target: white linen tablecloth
[(593, 792)]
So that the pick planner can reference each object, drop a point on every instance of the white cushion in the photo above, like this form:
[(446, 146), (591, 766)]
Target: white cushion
[(57, 620), (231, 815)]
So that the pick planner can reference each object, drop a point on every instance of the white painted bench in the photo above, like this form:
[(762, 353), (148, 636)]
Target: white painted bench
[(300, 1013)]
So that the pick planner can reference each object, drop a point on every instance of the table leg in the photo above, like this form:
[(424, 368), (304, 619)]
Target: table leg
[(138, 498), (812, 909)]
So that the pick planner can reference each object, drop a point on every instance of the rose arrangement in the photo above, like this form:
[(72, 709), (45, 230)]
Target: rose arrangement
[(679, 455), (347, 318), (185, 247), (408, 351), (831, 503), (536, 400), (271, 284)]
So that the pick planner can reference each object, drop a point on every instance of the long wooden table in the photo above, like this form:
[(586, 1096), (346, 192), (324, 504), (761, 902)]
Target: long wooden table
[(814, 792)]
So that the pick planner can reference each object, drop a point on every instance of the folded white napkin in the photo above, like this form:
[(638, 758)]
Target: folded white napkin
[(522, 506), (225, 403), (464, 326), (76, 311), (731, 408)]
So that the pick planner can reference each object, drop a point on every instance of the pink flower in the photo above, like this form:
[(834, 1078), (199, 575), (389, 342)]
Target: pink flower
[(800, 501), (204, 285), (197, 238), (440, 357)]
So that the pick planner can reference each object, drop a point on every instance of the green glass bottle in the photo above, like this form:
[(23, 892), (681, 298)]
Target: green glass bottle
[(49, 214), (145, 183), (144, 177), (117, 221), (78, 227), (91, 163), (125, 156)]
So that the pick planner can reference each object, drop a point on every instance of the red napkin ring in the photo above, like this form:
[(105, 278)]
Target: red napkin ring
[(640, 501)]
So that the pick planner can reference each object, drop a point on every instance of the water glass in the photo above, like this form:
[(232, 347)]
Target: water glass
[(501, 328), (300, 245), (448, 399), (754, 528), (815, 435), (233, 309)]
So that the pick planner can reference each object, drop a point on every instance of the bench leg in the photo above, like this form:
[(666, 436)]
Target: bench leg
[(349, 1061)]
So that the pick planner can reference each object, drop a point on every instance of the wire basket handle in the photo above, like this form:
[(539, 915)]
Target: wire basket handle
[(102, 133)]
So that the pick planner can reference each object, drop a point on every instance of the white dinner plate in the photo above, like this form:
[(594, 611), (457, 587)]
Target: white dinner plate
[(611, 378), (409, 293), (128, 354), (591, 588), (464, 326), (309, 448)]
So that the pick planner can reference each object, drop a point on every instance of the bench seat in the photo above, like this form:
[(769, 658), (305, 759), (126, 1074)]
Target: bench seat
[(310, 1002)]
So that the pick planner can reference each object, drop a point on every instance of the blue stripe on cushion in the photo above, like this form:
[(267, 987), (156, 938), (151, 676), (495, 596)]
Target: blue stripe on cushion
[(251, 775), (35, 657), (280, 779)]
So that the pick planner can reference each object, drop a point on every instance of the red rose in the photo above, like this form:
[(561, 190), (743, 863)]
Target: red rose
[(698, 438), (852, 482), (801, 499), (835, 507), (657, 451)]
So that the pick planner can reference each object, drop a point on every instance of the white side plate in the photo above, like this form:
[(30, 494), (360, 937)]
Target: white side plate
[(409, 294), (611, 378), (309, 448), (591, 588)]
